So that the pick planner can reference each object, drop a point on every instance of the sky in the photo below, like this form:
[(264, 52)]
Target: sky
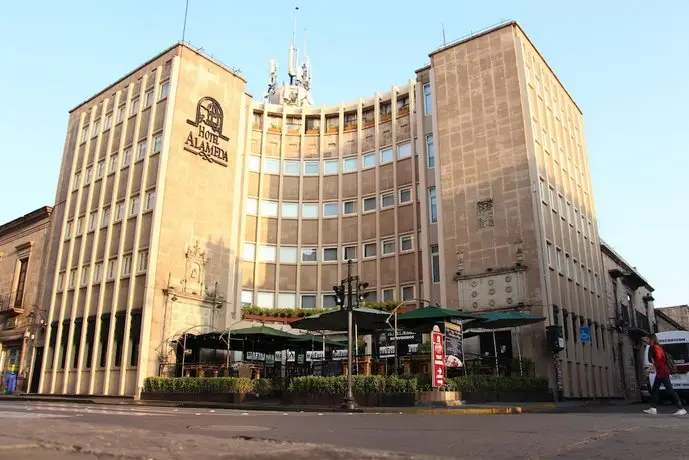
[(624, 62)]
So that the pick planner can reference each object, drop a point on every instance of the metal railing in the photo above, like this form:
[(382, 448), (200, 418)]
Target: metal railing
[(7, 302)]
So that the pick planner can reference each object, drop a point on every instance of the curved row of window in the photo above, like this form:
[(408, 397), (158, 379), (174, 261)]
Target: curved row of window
[(313, 167), (310, 301)]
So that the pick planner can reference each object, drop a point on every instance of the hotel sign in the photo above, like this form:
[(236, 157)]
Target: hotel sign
[(207, 139)]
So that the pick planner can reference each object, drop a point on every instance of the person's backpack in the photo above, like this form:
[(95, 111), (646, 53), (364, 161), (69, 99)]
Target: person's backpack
[(671, 365)]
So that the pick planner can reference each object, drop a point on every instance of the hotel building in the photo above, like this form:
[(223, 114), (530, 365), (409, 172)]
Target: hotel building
[(181, 197)]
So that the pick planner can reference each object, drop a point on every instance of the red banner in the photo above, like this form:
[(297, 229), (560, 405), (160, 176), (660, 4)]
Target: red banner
[(437, 357)]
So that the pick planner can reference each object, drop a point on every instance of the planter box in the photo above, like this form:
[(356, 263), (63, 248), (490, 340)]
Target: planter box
[(195, 397), (269, 319), (477, 397)]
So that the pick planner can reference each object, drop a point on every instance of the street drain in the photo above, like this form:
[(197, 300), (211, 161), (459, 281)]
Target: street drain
[(242, 428)]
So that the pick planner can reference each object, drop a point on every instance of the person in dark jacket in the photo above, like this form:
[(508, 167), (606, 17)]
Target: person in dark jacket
[(656, 355)]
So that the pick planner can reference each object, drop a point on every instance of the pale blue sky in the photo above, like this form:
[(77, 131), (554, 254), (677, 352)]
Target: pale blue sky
[(624, 62)]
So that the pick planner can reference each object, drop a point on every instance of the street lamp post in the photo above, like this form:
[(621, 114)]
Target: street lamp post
[(394, 313)]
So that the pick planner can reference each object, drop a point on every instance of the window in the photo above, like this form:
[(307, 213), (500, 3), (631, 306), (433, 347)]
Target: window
[(96, 128), (349, 253), (113, 163), (330, 209), (68, 230), (72, 275), (368, 161), (309, 210), (100, 169), (80, 225), (126, 265), (329, 301), (432, 205), (93, 219), (252, 206), (350, 165), (97, 272), (404, 150), (134, 206), (369, 204), (157, 143), (271, 166), (549, 253), (148, 99), (134, 107), (407, 292), (120, 115), (21, 282), (287, 300), (348, 207), (290, 210), (126, 157), (77, 180), (254, 163), (405, 195), (369, 250), (435, 264), (164, 90), (150, 200), (265, 299), (269, 208), (119, 211), (331, 167), (430, 152), (266, 253), (247, 298), (288, 254), (386, 156), (329, 254), (541, 189), (553, 201), (388, 247), (561, 204), (84, 133), (141, 150), (87, 176), (309, 255), (111, 268), (308, 301), (249, 251), (292, 168), (60, 281), (406, 243), (142, 262), (558, 255), (387, 200), (427, 104), (311, 168), (388, 295)]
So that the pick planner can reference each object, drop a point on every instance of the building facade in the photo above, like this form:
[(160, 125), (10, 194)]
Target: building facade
[(677, 313), (22, 246), (666, 323), (182, 198)]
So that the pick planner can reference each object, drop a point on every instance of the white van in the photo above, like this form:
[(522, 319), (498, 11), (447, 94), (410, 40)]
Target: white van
[(676, 344)]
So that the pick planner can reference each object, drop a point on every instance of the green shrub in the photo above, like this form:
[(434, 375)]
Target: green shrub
[(230, 385)]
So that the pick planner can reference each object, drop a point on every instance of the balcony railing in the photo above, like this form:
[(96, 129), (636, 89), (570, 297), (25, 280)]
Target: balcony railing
[(8, 303)]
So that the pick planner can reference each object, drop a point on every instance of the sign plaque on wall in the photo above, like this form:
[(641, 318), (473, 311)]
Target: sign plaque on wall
[(207, 139)]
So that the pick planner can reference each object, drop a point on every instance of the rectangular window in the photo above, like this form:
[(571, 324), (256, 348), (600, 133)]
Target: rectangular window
[(141, 149), (432, 205), (407, 292), (60, 281), (77, 181), (150, 200), (549, 253), (157, 143), (247, 298), (100, 169), (309, 255), (435, 264), (558, 255), (126, 157), (430, 152), (134, 206), (308, 301), (288, 254), (254, 163), (309, 210), (113, 164), (368, 161), (266, 253), (388, 247), (330, 254), (331, 167), (93, 219), (287, 300), (148, 99), (252, 206), (292, 168), (541, 188), (386, 156), (134, 107), (249, 251), (111, 268), (96, 128), (269, 208), (388, 295), (348, 207), (387, 200), (406, 243), (84, 133), (553, 201), (68, 230), (72, 275), (21, 282), (164, 90), (369, 204), (404, 150), (84, 276), (311, 168), (265, 299), (80, 225), (350, 165), (126, 265), (271, 166), (97, 272), (87, 176), (349, 253), (561, 204), (290, 210), (330, 209), (427, 101), (119, 211), (329, 301), (120, 115), (369, 250), (405, 195)]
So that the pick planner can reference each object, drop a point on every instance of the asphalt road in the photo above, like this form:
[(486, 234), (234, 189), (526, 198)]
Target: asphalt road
[(30, 430)]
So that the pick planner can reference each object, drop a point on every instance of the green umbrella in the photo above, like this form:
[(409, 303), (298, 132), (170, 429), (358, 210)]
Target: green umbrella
[(425, 318), (366, 320), (503, 319)]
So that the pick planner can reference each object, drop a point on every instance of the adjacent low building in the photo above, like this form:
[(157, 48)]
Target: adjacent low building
[(678, 314)]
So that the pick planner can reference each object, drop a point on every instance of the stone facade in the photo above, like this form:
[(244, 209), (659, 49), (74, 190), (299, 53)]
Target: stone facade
[(678, 314)]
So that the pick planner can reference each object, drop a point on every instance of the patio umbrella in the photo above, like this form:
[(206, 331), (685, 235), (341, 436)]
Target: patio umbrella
[(366, 319), (428, 316)]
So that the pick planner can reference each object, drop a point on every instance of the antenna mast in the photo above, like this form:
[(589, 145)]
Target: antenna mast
[(292, 59), (443, 26), (184, 28)]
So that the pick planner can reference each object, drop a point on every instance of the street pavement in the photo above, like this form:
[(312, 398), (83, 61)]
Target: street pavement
[(34, 430)]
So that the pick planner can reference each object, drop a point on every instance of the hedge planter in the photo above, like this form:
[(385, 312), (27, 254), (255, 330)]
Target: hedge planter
[(234, 398), (362, 400)]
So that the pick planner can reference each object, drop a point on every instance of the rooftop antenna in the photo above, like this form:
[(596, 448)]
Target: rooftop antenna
[(443, 26), (292, 60), (184, 28)]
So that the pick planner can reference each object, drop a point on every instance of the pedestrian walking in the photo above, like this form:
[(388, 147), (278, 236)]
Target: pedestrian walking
[(661, 363)]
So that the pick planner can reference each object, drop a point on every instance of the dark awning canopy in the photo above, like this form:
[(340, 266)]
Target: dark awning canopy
[(366, 320), (503, 320)]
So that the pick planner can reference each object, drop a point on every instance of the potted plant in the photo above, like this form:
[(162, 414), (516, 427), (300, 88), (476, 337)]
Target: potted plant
[(404, 110), (385, 117)]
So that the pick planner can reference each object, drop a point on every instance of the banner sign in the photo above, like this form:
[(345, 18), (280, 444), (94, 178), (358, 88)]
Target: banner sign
[(454, 351), (437, 357)]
